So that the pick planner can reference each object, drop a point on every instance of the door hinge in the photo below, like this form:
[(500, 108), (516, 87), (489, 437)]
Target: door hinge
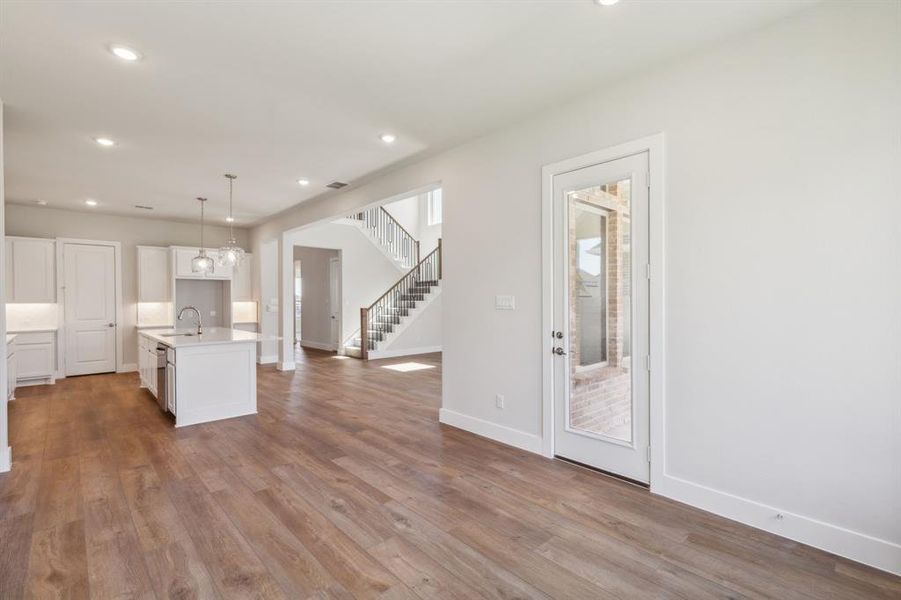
[(647, 179), (648, 271), (647, 362), (649, 454)]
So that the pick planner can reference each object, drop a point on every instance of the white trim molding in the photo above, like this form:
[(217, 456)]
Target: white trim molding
[(377, 354), (860, 547), (267, 360), (493, 431), (319, 345), (6, 459)]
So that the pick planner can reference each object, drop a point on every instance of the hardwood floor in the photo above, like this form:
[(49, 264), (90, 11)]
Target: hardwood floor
[(346, 486)]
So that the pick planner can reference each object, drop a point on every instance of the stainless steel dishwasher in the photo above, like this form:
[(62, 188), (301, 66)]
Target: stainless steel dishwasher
[(162, 388)]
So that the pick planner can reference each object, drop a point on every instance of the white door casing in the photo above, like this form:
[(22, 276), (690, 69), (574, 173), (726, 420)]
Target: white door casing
[(89, 275), (584, 430)]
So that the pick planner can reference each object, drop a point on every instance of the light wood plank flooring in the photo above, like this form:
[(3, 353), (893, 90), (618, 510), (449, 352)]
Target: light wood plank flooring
[(346, 486)]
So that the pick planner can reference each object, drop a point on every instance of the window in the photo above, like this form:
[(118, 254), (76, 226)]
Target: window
[(434, 204)]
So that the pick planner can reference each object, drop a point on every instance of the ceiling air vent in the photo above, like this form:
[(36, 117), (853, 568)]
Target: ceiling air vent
[(336, 185), (142, 207)]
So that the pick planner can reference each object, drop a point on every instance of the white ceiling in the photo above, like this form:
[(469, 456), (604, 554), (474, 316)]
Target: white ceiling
[(274, 91)]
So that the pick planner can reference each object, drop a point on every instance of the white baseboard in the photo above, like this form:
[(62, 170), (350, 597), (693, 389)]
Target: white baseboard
[(499, 433), (376, 354), (288, 365), (319, 345), (128, 368), (860, 547), (267, 360), (6, 459)]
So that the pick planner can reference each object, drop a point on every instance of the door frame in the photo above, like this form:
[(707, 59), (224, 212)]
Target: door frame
[(339, 279), (654, 146), (121, 367)]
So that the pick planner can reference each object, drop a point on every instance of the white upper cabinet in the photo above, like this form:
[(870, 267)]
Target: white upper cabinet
[(153, 274), (30, 270), (242, 290), (183, 257)]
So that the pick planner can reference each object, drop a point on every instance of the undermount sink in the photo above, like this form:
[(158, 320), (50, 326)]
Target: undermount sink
[(174, 334)]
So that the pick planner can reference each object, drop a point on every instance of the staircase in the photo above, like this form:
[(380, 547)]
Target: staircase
[(388, 314), (389, 235)]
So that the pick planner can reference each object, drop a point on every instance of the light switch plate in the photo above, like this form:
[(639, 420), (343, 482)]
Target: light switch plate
[(505, 302)]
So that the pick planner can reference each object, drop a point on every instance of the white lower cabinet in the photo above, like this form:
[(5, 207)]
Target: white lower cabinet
[(11, 371), (35, 358), (170, 388), (147, 364)]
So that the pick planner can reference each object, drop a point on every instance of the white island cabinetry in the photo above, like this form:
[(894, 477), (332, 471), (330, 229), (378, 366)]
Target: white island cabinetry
[(208, 377)]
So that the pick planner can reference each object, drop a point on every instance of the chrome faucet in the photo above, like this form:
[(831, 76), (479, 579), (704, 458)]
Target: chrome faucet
[(199, 318)]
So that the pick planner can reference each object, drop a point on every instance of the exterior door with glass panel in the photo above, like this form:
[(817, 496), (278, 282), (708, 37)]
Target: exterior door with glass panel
[(601, 295)]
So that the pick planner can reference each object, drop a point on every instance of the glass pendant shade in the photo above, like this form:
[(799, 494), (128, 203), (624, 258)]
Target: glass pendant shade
[(201, 263), (231, 254)]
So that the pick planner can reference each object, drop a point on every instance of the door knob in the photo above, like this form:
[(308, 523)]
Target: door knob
[(559, 351), (111, 325)]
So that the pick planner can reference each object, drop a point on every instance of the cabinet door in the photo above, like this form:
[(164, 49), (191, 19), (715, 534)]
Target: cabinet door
[(34, 360), (219, 271), (183, 257), (141, 374), (151, 372), (11, 376), (170, 388), (153, 274), (33, 271)]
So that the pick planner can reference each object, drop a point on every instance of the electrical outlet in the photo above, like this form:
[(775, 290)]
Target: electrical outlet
[(212, 313), (499, 400)]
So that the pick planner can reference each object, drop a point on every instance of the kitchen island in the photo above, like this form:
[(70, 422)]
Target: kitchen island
[(200, 378)]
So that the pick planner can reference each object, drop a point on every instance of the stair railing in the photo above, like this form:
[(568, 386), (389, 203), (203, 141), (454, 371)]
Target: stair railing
[(390, 234), (391, 305)]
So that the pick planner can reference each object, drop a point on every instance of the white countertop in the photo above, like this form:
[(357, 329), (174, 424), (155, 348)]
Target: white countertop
[(211, 335)]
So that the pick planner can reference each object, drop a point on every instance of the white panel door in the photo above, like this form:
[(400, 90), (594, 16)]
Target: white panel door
[(601, 318), (90, 308), (334, 278)]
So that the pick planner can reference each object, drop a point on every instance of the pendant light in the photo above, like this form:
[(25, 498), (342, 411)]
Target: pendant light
[(231, 254), (201, 263)]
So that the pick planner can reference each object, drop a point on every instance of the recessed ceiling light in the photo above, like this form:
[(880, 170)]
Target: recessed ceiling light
[(41, 202), (104, 141), (303, 182), (605, 2), (90, 202), (229, 219), (125, 53), (388, 138)]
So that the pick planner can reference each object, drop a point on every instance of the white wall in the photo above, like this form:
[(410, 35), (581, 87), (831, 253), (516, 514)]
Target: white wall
[(366, 273), (316, 309), (37, 221), (5, 456), (782, 288)]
